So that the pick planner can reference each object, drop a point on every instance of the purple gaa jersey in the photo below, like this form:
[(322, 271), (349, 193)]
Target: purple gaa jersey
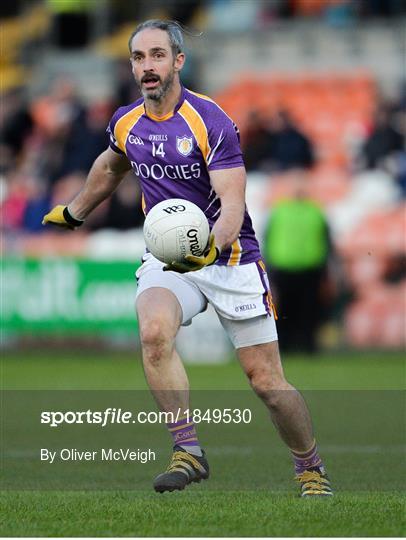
[(172, 157)]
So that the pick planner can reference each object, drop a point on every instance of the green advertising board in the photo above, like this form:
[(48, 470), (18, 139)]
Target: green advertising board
[(66, 295)]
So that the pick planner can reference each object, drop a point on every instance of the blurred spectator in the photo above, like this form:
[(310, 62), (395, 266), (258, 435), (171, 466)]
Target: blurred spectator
[(395, 271), (121, 211), (84, 139), (71, 136), (126, 91), (37, 202), (256, 142), (50, 147), (59, 107), (290, 148), (383, 141), (97, 118), (6, 158), (278, 146), (124, 210), (296, 250), (272, 10), (17, 122), (401, 176), (66, 188), (14, 201)]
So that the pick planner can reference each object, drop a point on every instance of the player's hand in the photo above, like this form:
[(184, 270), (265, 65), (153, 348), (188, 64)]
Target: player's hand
[(193, 263), (60, 216)]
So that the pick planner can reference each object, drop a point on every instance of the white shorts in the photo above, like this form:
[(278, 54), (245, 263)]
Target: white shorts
[(239, 294)]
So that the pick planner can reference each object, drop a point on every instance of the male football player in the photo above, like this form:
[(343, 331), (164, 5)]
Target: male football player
[(182, 145)]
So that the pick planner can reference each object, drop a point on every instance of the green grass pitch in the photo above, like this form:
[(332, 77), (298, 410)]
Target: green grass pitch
[(365, 457)]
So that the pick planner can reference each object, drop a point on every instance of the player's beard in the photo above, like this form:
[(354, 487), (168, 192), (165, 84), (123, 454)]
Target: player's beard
[(157, 94)]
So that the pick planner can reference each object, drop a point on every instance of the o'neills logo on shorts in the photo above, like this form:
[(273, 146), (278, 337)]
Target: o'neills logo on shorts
[(245, 307)]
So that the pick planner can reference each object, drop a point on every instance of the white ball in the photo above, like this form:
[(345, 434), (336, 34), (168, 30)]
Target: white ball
[(175, 228)]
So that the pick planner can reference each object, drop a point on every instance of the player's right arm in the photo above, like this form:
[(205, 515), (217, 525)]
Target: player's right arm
[(105, 175)]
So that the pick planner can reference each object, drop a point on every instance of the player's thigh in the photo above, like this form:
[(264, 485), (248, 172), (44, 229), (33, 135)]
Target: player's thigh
[(264, 357), (256, 344), (250, 332), (159, 315), (166, 294)]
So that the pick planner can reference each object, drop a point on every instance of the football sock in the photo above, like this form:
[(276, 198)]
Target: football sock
[(307, 460), (184, 435)]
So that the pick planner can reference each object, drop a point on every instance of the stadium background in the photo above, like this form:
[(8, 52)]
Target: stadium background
[(331, 65), (337, 67)]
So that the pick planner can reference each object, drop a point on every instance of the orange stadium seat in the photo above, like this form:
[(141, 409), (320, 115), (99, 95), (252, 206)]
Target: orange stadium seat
[(328, 184), (380, 233), (359, 325), (323, 105), (379, 319), (364, 271)]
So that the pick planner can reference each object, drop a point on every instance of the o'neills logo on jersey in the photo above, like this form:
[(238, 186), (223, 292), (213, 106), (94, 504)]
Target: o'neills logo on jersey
[(184, 145), (172, 172), (158, 138)]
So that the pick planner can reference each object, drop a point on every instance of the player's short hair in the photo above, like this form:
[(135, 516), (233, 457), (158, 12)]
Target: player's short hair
[(172, 28)]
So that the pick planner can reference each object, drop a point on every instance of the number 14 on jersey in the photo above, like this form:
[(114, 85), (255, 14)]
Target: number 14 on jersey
[(158, 150)]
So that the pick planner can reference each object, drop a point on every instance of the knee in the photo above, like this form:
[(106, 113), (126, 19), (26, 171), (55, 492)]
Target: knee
[(269, 387), (157, 339)]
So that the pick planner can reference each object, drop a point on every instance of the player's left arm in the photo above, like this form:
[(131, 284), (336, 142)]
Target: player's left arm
[(229, 184)]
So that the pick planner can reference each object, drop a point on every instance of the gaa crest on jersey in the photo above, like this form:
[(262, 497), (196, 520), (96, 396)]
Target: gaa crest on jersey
[(184, 145)]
